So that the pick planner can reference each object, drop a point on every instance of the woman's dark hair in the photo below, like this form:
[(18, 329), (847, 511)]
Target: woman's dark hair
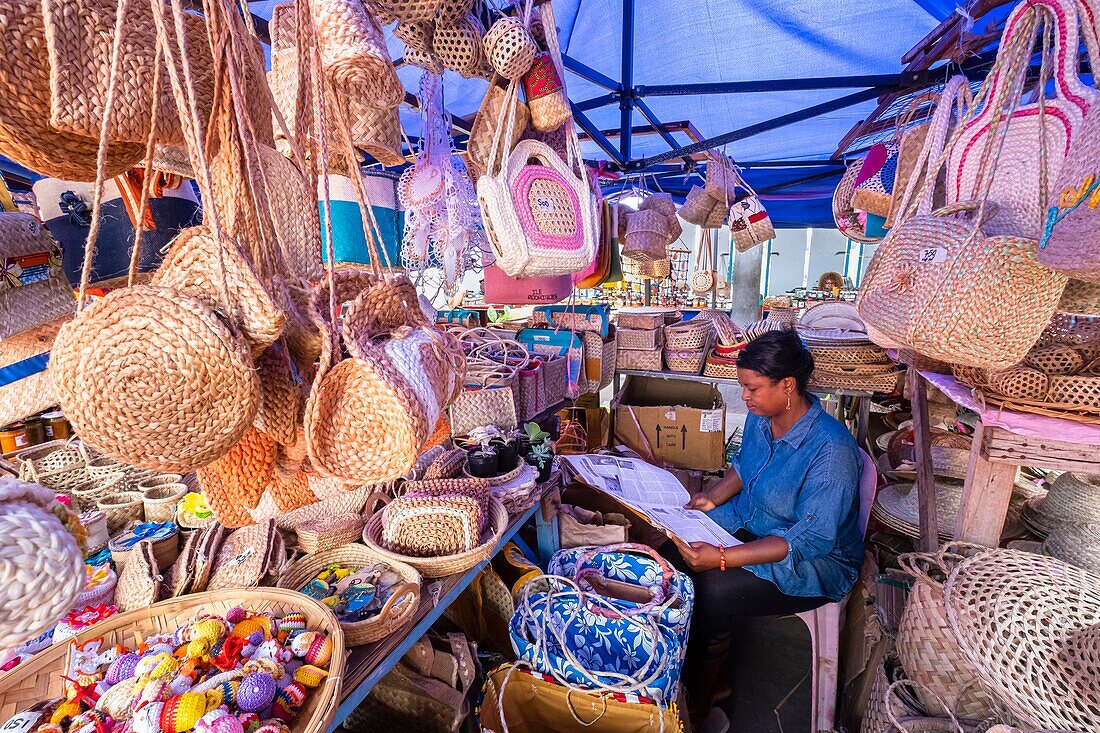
[(779, 354)]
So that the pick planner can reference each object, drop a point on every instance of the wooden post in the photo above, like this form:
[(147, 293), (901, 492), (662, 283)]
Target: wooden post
[(986, 495), (922, 457)]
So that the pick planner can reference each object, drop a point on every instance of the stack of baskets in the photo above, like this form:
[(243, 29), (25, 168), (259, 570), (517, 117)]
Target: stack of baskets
[(687, 344), (844, 357), (641, 337), (729, 340), (780, 310), (1073, 498), (1059, 377)]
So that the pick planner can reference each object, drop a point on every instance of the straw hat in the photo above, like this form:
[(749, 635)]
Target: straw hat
[(1073, 497), (1077, 544), (839, 314), (897, 507), (1030, 625)]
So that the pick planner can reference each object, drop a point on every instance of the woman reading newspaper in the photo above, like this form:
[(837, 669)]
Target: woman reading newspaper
[(791, 496)]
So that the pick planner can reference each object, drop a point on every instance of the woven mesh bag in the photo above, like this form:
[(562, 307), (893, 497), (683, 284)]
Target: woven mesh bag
[(510, 48), (458, 45), (1020, 383), (186, 373), (419, 10), (417, 36), (1055, 360)]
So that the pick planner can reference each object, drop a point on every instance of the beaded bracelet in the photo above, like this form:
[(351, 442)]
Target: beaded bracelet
[(722, 558)]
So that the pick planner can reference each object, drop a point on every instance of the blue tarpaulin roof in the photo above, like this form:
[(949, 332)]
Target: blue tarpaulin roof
[(715, 41)]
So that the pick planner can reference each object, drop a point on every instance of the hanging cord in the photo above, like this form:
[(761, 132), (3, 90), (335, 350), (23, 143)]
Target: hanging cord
[(149, 175)]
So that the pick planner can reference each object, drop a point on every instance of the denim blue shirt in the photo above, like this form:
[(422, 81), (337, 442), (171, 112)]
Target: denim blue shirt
[(803, 487)]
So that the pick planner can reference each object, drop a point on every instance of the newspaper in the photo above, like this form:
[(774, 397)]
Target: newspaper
[(653, 492)]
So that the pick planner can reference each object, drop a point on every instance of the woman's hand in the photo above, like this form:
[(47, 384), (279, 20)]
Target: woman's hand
[(699, 556), (702, 502)]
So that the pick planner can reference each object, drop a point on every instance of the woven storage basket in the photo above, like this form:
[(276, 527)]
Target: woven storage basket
[(414, 35), (397, 612), (784, 316), (89, 493), (49, 458), (646, 236), (651, 338), (354, 54), (160, 479), (642, 318), (685, 362), (174, 348), (693, 335), (847, 355), (720, 367), (121, 509), (41, 677), (327, 533), (927, 647), (165, 547), (102, 467), (491, 117), (698, 206), (646, 361), (659, 270), (1056, 359), (432, 526), (510, 48), (439, 567), (1077, 391), (161, 501), (1019, 383), (1029, 626), (826, 380)]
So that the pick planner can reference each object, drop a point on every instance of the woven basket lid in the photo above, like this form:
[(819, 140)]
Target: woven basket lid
[(838, 309), (1031, 627)]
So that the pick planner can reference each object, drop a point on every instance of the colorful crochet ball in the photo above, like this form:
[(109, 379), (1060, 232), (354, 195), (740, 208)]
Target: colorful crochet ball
[(223, 693), (293, 621), (182, 712), (313, 648), (246, 627), (310, 676), (272, 726), (123, 668), (156, 666), (249, 721), (256, 692), (288, 702), (236, 614), (219, 721)]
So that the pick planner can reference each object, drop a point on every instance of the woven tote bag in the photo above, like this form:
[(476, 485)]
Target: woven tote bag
[(749, 221), (874, 194), (354, 53), (703, 276), (26, 386), (33, 288), (539, 212), (1037, 134), (491, 117)]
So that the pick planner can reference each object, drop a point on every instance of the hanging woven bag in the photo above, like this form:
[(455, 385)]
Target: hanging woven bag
[(750, 224), (420, 10), (491, 116), (546, 96), (703, 276), (538, 210), (458, 45), (33, 287), (354, 53), (1028, 161), (510, 48), (646, 236)]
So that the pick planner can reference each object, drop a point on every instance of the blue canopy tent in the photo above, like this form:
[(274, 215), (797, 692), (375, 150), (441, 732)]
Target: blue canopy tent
[(774, 83)]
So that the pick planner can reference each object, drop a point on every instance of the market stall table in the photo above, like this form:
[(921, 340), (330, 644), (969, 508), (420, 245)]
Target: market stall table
[(1004, 440), (368, 664)]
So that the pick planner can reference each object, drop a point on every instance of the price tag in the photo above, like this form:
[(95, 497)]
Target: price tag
[(21, 722), (240, 559), (933, 255)]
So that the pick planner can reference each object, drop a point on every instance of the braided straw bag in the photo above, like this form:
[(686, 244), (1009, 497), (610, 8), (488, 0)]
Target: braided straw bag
[(30, 297), (281, 395), (202, 399), (44, 572), (490, 117), (139, 582), (1037, 135), (434, 526), (368, 416), (26, 135), (79, 38), (354, 53), (926, 645), (186, 269), (395, 614)]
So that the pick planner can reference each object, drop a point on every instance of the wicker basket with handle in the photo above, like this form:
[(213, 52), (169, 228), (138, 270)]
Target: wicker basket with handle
[(397, 611), (41, 677)]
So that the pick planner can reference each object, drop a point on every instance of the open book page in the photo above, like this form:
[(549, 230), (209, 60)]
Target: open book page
[(653, 492)]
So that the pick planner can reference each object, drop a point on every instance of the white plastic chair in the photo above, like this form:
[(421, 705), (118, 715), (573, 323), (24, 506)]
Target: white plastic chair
[(824, 623)]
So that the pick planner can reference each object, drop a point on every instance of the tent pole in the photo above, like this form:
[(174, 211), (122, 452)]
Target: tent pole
[(595, 133), (626, 100)]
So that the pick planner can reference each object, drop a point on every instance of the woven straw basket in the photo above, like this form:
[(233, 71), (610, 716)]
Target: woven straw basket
[(161, 501), (693, 335), (397, 612), (327, 533), (40, 677), (121, 509), (439, 567)]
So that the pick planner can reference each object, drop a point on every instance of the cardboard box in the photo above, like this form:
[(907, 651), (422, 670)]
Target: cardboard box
[(672, 423)]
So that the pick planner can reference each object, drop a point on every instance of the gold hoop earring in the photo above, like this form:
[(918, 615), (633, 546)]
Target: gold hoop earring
[(788, 401)]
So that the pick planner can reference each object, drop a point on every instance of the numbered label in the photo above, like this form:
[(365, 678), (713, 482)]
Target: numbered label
[(933, 255)]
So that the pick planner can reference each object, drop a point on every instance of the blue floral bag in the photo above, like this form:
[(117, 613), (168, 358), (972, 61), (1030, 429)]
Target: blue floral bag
[(614, 618)]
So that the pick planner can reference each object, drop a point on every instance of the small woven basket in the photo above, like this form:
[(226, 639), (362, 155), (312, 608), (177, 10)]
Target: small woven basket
[(121, 509), (161, 501), (510, 48), (720, 367), (165, 549), (95, 525), (685, 362), (1056, 359), (646, 236), (397, 612), (652, 338), (327, 533), (160, 479), (694, 335), (440, 567)]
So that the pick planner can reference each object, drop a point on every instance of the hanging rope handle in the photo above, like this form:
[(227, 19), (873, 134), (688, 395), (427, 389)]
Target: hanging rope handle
[(661, 592), (930, 694)]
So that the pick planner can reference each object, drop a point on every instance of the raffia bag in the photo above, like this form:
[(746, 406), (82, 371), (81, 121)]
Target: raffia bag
[(25, 133), (368, 416), (491, 117), (354, 53), (33, 391), (33, 288), (186, 372), (927, 646)]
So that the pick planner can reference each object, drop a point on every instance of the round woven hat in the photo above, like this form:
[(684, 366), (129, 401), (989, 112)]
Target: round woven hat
[(1030, 625), (1077, 544), (826, 312), (1073, 497), (896, 506), (155, 378)]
